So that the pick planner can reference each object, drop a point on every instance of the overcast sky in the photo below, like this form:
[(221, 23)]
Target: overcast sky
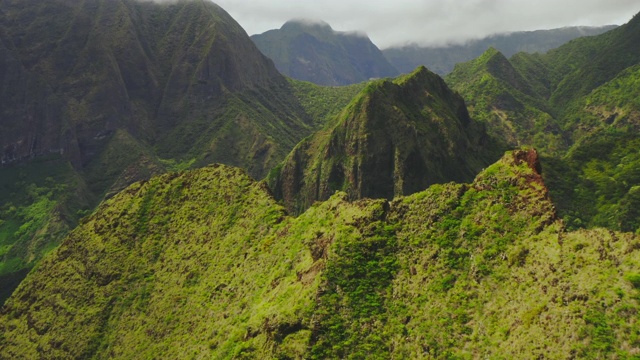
[(430, 22)]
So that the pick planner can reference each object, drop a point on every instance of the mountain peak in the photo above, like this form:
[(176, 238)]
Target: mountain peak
[(395, 138), (493, 56)]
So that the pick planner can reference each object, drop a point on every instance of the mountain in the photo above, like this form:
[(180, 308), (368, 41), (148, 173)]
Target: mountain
[(396, 137), (126, 72), (313, 51), (578, 105), (338, 252), (206, 263), (514, 109), (442, 59), (98, 94)]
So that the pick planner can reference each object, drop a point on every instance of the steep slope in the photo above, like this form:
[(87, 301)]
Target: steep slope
[(584, 64), (206, 264), (597, 181), (443, 59), (500, 96), (97, 94), (396, 137), (583, 116), (162, 73), (313, 51)]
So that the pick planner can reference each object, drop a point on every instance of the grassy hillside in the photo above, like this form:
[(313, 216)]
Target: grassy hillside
[(206, 264), (514, 110), (40, 202), (578, 105)]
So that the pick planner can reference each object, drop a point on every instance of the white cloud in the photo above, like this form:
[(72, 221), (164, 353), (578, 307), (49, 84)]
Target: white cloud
[(427, 22)]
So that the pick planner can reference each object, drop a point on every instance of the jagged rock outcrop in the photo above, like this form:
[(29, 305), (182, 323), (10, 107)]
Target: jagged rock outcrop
[(395, 138)]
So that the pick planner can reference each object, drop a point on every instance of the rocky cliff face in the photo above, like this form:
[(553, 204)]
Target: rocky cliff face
[(29, 110), (396, 137), (75, 72), (97, 94)]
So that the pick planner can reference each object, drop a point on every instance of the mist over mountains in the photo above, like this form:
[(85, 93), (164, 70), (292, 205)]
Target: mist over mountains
[(312, 51), (442, 59), (432, 23)]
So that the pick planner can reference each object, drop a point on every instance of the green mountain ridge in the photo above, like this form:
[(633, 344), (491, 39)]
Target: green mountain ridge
[(500, 96), (102, 93), (395, 138), (442, 59), (397, 227), (313, 51), (583, 65), (578, 107), (206, 263)]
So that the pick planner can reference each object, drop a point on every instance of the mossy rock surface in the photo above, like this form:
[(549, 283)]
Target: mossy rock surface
[(396, 137)]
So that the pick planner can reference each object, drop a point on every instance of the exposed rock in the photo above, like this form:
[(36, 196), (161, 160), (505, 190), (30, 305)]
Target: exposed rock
[(395, 138)]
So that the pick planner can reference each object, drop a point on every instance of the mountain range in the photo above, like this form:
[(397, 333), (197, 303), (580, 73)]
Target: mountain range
[(442, 59), (312, 51), (206, 263), (167, 192), (576, 105)]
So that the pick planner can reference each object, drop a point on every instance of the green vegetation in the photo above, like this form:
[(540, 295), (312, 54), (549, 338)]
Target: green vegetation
[(102, 93), (578, 105), (40, 202), (511, 107), (395, 137), (323, 103), (596, 183), (205, 263), (442, 59), (357, 280)]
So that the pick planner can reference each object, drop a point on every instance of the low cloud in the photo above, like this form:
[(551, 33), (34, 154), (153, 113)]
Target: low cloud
[(322, 23), (430, 22), (163, 1), (311, 22)]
